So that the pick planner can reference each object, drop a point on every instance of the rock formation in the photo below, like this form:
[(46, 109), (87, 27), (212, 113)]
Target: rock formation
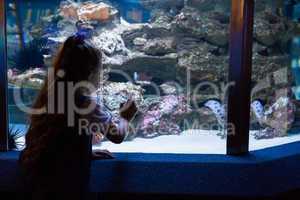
[(183, 36)]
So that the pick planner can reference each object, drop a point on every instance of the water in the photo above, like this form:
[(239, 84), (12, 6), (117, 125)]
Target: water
[(172, 57)]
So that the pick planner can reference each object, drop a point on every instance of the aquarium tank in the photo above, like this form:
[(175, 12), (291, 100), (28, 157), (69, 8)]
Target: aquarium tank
[(172, 57), (275, 74)]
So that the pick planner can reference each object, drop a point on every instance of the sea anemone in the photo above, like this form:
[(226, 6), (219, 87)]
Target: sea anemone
[(14, 136), (30, 56)]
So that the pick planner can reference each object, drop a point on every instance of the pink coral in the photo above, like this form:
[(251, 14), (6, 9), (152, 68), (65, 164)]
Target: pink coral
[(163, 116)]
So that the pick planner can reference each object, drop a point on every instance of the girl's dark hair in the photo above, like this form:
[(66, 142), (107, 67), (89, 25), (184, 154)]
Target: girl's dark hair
[(77, 59)]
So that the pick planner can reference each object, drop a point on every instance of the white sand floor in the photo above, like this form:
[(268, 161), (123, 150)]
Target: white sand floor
[(189, 142)]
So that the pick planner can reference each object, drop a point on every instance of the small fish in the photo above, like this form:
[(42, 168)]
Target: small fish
[(142, 76), (135, 76)]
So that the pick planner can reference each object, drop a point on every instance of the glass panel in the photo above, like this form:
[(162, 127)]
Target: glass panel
[(26, 61), (275, 96), (170, 55)]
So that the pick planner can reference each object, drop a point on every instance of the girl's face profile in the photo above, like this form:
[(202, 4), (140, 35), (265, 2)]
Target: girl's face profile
[(94, 77)]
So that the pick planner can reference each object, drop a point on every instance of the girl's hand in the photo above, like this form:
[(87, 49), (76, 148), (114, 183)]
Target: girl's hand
[(101, 155), (97, 138), (128, 109)]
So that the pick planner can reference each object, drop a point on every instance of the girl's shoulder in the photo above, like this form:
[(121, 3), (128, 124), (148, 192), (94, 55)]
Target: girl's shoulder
[(101, 112), (90, 99)]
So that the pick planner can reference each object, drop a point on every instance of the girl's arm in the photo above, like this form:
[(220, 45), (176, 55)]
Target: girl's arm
[(118, 132), (115, 132)]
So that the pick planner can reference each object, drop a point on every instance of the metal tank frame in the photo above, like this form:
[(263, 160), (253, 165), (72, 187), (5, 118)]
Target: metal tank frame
[(3, 80)]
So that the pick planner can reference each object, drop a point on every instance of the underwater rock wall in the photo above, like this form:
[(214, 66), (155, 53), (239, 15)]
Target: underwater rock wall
[(271, 62), (158, 115), (177, 38), (182, 36)]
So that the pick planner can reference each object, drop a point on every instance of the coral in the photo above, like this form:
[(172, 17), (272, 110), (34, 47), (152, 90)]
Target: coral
[(113, 94), (162, 116), (276, 120), (201, 60), (69, 10), (270, 28), (32, 78), (87, 11), (160, 47), (157, 115)]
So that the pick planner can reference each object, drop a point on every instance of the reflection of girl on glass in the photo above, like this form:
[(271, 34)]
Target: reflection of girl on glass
[(57, 157)]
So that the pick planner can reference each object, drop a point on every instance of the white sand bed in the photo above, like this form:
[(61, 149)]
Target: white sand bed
[(189, 142), (255, 144)]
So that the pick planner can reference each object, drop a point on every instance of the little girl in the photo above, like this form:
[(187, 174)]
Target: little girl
[(56, 161)]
